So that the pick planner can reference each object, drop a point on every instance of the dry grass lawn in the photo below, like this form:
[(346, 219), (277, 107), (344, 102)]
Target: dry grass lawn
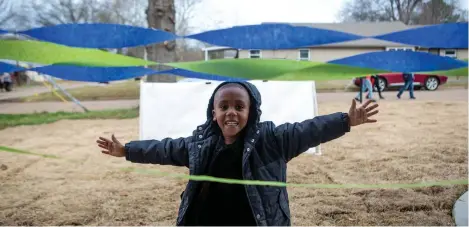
[(413, 142), (131, 90)]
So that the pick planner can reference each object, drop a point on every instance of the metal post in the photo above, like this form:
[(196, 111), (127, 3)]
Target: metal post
[(362, 80), (67, 94), (145, 56)]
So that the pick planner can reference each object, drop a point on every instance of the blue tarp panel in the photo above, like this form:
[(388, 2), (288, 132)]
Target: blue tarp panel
[(99, 35), (272, 36), (451, 35), (105, 74), (3, 31), (263, 36), (8, 68), (402, 61), (205, 76), (93, 74)]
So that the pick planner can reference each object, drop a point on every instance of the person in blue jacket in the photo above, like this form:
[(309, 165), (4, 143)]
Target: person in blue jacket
[(234, 144), (409, 84)]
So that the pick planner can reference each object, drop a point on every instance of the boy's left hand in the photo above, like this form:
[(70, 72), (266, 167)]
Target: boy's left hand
[(360, 115)]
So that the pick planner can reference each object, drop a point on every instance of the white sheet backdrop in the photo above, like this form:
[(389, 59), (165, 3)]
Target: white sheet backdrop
[(176, 109)]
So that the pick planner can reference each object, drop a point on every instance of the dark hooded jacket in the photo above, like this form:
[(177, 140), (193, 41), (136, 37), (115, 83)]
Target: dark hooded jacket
[(267, 150)]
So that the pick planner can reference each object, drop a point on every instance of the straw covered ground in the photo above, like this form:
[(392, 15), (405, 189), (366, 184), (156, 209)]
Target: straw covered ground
[(413, 141)]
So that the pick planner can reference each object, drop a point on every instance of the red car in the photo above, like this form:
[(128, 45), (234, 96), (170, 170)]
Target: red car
[(387, 80)]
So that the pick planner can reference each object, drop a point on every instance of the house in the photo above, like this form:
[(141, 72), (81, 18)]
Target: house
[(328, 52)]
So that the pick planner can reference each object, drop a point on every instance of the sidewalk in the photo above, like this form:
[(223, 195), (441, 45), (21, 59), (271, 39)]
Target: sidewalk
[(20, 92)]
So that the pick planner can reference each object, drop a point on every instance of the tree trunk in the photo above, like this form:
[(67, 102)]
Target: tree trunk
[(161, 15)]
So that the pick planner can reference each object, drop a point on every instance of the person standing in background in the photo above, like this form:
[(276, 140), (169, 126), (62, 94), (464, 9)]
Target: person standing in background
[(375, 81), (409, 84), (367, 85), (5, 82)]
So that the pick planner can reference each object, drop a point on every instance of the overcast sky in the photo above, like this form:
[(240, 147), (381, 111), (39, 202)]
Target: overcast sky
[(243, 12)]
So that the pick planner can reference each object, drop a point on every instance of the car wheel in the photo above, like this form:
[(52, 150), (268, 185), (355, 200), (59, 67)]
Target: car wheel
[(432, 83), (8, 87)]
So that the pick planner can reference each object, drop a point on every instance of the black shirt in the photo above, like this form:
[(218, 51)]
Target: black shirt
[(221, 203)]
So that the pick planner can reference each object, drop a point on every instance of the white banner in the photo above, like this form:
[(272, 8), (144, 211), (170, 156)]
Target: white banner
[(176, 109)]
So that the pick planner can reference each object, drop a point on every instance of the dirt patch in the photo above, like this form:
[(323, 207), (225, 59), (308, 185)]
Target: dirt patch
[(414, 141)]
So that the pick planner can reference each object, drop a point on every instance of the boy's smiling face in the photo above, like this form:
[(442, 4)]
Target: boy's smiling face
[(231, 110)]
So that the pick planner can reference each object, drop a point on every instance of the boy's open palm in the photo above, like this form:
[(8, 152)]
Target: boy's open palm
[(362, 114), (111, 147)]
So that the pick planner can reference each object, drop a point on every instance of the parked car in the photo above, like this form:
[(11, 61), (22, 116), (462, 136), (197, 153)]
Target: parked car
[(427, 81)]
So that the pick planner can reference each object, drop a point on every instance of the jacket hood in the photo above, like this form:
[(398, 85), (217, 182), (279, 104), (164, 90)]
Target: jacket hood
[(254, 111), (254, 95)]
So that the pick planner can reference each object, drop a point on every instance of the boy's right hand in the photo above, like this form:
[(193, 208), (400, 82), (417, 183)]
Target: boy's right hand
[(111, 147)]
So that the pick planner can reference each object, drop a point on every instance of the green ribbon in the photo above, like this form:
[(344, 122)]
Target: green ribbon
[(275, 69), (268, 183), (13, 150), (283, 184), (51, 53), (256, 69)]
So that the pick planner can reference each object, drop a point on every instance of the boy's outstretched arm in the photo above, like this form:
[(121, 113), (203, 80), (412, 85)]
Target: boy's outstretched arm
[(164, 152), (296, 138)]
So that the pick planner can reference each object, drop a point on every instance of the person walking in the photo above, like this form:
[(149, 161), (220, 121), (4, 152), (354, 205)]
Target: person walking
[(375, 81), (367, 85), (409, 84)]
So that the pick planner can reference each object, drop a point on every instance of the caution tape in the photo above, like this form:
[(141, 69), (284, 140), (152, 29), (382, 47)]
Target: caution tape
[(268, 183)]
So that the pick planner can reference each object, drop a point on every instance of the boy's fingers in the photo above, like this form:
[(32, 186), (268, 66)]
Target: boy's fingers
[(107, 140), (372, 113), (106, 152), (367, 103), (103, 146), (101, 142), (362, 113), (354, 104), (374, 106), (371, 120), (114, 139)]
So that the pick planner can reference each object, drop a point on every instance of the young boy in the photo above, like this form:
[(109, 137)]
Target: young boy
[(233, 143)]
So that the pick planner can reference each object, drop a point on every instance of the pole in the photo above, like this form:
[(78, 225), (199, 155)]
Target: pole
[(54, 92), (361, 88), (67, 94), (145, 57)]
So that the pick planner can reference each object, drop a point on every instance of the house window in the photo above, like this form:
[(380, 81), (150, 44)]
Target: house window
[(255, 54), (304, 55), (400, 49), (449, 53)]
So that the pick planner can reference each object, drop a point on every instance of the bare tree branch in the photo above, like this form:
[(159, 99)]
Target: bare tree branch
[(6, 13), (440, 11), (54, 12), (126, 12), (406, 11), (184, 14)]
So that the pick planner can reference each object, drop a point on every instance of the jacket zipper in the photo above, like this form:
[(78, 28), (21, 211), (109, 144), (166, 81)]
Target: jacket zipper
[(245, 186)]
